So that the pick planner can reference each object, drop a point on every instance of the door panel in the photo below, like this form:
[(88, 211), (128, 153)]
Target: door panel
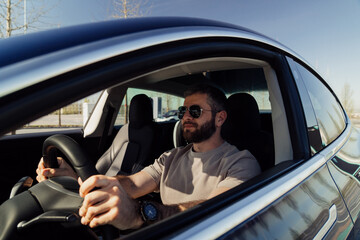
[(345, 169), (314, 209)]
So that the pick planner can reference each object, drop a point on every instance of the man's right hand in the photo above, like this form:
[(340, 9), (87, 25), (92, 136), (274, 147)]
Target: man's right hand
[(107, 202), (63, 170)]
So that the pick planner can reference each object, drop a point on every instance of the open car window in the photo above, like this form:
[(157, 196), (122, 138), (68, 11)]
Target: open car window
[(164, 105), (72, 116)]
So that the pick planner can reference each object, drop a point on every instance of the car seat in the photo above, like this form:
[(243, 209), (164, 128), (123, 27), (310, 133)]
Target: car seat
[(242, 128), (132, 147)]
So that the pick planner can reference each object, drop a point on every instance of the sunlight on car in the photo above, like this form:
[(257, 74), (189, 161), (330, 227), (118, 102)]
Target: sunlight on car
[(264, 148)]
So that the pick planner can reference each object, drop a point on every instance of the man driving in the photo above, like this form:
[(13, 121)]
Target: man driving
[(184, 176)]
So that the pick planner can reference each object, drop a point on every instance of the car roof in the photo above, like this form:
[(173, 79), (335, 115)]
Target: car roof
[(26, 59), (19, 48)]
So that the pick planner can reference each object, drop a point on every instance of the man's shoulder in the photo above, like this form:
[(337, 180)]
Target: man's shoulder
[(231, 149), (185, 148), (176, 151), (234, 154), (234, 149)]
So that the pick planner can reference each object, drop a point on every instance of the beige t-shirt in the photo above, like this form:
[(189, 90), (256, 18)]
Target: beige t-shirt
[(183, 175)]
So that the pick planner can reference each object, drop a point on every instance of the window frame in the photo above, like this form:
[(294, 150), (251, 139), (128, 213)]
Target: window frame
[(306, 100), (309, 112)]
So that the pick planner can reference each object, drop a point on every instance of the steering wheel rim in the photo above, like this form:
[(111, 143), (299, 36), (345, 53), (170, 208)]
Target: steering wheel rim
[(72, 151), (77, 158)]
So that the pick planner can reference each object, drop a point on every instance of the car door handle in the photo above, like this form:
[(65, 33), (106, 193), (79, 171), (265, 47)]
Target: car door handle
[(328, 224)]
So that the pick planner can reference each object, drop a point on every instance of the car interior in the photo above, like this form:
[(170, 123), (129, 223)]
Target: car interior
[(256, 119), (240, 79)]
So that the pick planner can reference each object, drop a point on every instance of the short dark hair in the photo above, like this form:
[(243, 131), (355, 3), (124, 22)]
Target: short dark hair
[(216, 98)]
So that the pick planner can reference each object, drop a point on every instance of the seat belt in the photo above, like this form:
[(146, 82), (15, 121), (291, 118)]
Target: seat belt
[(105, 133)]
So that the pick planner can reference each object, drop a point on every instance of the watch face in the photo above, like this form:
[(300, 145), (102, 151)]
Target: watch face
[(150, 211)]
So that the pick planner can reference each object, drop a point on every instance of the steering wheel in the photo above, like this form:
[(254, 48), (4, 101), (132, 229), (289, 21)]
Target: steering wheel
[(54, 203), (77, 158), (72, 151)]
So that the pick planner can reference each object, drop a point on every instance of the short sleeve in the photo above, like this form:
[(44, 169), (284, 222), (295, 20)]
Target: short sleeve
[(242, 170), (155, 170)]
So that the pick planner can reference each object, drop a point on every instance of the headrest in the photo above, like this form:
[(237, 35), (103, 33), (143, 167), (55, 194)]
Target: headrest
[(140, 112), (243, 116), (178, 138)]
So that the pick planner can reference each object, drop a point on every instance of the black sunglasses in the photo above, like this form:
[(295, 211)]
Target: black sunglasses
[(194, 110)]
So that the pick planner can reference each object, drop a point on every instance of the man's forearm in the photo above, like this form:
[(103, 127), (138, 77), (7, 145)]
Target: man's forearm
[(138, 184), (127, 184), (141, 184)]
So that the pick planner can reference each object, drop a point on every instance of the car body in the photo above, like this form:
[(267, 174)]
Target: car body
[(310, 191)]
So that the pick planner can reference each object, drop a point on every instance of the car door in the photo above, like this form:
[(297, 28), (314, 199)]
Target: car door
[(344, 156), (296, 199), (329, 133)]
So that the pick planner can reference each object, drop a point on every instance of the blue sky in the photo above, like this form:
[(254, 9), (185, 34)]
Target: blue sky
[(324, 32)]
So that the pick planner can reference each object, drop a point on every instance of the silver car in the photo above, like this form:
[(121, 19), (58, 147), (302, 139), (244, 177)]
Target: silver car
[(297, 129)]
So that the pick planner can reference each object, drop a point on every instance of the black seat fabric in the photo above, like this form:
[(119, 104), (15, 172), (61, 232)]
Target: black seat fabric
[(243, 129), (132, 148)]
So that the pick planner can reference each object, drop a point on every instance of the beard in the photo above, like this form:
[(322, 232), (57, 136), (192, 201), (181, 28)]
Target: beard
[(200, 134)]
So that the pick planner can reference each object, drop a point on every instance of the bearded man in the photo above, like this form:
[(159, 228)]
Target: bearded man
[(184, 176)]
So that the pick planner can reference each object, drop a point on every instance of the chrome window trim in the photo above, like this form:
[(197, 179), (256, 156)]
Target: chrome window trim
[(304, 94), (333, 148), (235, 214), (29, 72)]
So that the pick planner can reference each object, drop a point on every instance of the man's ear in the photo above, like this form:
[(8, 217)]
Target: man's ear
[(220, 118)]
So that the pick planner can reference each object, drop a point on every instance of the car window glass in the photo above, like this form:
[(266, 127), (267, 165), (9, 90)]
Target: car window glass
[(251, 81), (315, 143), (164, 105), (262, 99), (329, 114), (71, 116)]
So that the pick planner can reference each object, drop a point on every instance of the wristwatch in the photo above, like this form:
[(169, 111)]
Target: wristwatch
[(149, 212)]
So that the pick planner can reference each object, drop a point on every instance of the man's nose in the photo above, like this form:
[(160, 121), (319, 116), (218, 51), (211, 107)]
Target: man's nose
[(187, 114)]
